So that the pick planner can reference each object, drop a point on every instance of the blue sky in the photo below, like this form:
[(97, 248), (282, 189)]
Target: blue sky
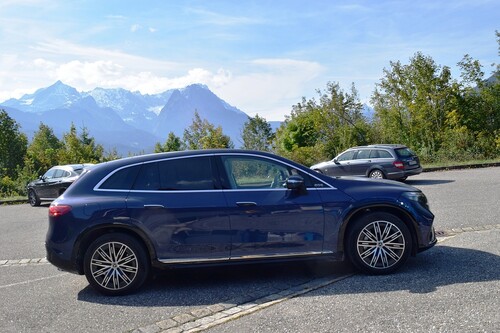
[(260, 56)]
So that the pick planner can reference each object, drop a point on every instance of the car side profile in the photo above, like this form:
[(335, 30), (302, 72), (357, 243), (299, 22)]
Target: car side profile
[(122, 220), (389, 161), (53, 183)]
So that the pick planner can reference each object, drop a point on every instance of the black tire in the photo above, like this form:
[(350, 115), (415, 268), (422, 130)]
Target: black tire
[(378, 243), (116, 264), (33, 198), (376, 174)]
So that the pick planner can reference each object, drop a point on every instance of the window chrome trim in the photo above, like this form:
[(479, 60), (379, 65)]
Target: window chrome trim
[(97, 186)]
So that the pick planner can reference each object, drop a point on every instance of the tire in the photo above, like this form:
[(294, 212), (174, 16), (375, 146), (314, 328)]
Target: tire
[(116, 264), (378, 243), (376, 174), (33, 199)]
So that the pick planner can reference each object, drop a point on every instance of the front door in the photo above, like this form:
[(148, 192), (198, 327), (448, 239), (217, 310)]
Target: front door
[(267, 219)]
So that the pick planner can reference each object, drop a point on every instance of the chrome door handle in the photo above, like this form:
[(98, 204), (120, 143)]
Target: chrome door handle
[(154, 206), (246, 203)]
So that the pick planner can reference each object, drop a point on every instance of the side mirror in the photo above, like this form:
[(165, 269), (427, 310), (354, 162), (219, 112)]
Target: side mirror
[(295, 182), (335, 161)]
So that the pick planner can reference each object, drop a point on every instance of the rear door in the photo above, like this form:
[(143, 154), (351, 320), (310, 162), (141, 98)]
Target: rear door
[(180, 204)]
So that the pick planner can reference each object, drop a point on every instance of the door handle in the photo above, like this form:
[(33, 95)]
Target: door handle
[(246, 203), (154, 206)]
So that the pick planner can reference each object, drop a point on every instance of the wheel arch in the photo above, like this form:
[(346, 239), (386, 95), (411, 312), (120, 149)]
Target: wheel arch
[(86, 238), (376, 167), (404, 216)]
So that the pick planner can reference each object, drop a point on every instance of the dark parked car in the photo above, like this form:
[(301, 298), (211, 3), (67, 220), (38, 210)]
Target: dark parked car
[(123, 219), (374, 161), (53, 183)]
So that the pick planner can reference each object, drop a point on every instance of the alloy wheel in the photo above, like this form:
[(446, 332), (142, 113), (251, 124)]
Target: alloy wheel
[(114, 265), (376, 174), (381, 244)]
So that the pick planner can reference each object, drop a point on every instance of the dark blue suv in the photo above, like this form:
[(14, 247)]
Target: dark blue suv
[(123, 219)]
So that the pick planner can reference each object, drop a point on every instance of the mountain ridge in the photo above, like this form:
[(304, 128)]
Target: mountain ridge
[(120, 119)]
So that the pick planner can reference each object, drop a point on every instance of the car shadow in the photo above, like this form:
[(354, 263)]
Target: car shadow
[(440, 266), (417, 182)]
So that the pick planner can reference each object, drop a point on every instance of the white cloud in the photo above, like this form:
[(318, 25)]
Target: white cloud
[(135, 27), (271, 87)]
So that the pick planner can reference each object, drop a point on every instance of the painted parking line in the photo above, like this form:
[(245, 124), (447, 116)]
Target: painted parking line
[(31, 281)]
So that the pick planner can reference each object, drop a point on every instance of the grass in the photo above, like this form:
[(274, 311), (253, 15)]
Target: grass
[(451, 163)]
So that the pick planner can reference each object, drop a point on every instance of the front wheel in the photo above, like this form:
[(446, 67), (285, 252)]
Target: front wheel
[(33, 198), (378, 243), (116, 264)]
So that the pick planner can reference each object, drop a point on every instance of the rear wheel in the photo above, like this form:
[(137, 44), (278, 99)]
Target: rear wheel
[(116, 264), (378, 243), (377, 174), (33, 198)]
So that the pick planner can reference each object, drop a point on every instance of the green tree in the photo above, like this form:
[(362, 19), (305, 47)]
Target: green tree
[(173, 143), (201, 134), (43, 151), (411, 103), (257, 134), (80, 148), (318, 130), (13, 146)]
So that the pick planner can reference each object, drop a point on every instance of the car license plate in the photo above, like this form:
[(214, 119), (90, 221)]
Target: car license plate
[(412, 162)]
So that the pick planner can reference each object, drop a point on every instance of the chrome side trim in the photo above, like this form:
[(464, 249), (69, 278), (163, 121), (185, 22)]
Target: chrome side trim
[(247, 257)]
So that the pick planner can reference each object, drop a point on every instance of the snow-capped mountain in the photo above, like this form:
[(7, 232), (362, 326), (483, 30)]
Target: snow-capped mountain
[(118, 118)]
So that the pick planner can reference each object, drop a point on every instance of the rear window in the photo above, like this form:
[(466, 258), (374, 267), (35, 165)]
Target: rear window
[(122, 179), (404, 152)]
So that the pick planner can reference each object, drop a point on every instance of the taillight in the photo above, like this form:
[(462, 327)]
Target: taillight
[(59, 210), (398, 164)]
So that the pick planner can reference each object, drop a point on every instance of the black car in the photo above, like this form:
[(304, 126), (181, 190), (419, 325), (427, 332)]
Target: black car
[(124, 219), (375, 161), (53, 183)]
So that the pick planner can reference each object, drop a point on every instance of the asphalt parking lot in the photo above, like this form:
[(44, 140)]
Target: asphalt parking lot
[(454, 287)]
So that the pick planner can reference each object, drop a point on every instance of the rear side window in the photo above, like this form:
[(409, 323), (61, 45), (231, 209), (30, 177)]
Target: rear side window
[(378, 153), (363, 154), (122, 179), (186, 174)]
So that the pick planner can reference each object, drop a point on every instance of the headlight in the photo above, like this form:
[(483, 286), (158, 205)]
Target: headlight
[(418, 197)]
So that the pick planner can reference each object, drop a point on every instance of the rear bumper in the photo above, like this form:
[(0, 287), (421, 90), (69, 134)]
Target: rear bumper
[(404, 173), (57, 259)]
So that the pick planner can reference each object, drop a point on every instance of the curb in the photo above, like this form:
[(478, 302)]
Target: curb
[(459, 167), (10, 202)]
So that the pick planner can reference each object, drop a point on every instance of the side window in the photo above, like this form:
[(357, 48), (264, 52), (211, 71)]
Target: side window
[(384, 154), (347, 156), (186, 174), (122, 179), (148, 178), (363, 154), (49, 174), (258, 173), (59, 173)]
